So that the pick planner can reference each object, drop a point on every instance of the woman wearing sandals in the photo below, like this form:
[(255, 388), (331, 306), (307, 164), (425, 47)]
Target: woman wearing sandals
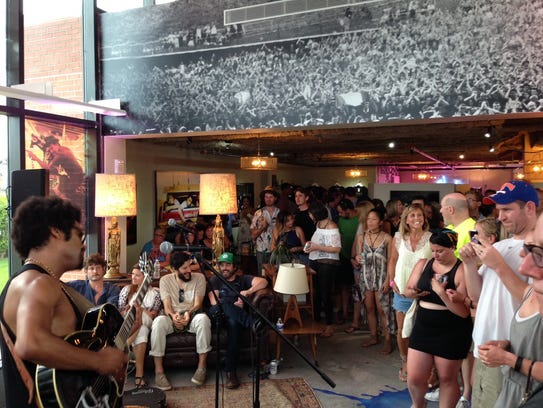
[(373, 249), (323, 250), (410, 243), (151, 307)]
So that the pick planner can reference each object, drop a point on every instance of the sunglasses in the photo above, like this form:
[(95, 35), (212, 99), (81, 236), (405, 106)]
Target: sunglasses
[(181, 295), (537, 253)]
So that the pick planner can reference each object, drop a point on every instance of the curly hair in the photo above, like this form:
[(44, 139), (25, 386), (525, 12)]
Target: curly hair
[(36, 216)]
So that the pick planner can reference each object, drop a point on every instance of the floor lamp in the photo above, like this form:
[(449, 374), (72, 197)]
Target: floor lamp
[(115, 196), (218, 196), (292, 280)]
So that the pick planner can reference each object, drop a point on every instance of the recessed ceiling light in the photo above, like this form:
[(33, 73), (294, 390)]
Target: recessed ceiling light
[(391, 145), (461, 156)]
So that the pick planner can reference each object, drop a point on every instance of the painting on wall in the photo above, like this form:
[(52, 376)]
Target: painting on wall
[(177, 196), (60, 148)]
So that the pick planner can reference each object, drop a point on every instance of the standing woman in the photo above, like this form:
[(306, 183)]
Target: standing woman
[(394, 209), (373, 252), (151, 307), (323, 250), (442, 330), (287, 235), (410, 243)]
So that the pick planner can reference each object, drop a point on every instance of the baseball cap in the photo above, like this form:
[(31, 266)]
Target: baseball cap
[(227, 257), (516, 190)]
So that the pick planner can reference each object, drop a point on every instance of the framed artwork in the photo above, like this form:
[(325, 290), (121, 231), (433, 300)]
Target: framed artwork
[(177, 196), (60, 148)]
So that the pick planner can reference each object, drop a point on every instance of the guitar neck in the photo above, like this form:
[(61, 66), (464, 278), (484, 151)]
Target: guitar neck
[(130, 317)]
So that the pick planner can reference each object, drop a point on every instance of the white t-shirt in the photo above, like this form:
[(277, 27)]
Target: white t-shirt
[(496, 306)]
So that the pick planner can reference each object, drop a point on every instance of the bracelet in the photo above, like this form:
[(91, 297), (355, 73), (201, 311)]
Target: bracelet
[(518, 364), (391, 284)]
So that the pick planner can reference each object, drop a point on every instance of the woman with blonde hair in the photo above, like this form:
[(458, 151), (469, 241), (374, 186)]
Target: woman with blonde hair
[(410, 244), (394, 209)]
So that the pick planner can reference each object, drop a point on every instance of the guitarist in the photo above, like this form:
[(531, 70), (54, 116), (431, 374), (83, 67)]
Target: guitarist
[(36, 310)]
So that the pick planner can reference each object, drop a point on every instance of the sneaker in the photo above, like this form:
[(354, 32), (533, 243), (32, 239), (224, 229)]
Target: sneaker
[(199, 377), (463, 403), (162, 382), (432, 395)]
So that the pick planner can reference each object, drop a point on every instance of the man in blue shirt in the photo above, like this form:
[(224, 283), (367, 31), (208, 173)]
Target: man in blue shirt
[(94, 288)]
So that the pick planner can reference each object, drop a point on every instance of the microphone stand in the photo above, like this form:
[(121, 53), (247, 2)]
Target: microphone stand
[(217, 316), (262, 318)]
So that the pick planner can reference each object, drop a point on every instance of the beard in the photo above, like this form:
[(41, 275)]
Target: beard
[(185, 277)]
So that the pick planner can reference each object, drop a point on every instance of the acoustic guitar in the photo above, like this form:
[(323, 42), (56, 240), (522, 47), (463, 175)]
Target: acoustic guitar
[(102, 326)]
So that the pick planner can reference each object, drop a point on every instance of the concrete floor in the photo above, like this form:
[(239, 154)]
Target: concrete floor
[(363, 377)]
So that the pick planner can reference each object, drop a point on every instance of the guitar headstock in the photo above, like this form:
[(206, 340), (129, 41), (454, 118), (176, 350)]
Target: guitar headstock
[(146, 266)]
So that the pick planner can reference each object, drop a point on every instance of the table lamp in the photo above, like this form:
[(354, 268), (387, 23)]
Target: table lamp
[(292, 280), (218, 196), (115, 196)]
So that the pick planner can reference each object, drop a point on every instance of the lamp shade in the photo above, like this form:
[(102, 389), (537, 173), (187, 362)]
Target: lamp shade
[(291, 279), (115, 195), (218, 194)]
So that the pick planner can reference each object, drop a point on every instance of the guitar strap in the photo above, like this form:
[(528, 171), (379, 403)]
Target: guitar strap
[(25, 375)]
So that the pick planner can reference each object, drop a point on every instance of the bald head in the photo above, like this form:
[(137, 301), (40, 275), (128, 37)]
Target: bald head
[(454, 208)]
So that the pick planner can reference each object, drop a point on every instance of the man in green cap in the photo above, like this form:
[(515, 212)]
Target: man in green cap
[(236, 318)]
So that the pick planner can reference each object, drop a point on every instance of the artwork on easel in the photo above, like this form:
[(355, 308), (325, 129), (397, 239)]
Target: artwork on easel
[(177, 196)]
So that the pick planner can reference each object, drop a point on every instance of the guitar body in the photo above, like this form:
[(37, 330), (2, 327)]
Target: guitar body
[(66, 388)]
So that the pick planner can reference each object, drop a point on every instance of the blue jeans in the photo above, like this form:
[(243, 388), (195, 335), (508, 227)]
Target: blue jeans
[(236, 320)]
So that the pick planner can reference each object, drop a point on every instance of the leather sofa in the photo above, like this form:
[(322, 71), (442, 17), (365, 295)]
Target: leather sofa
[(181, 347)]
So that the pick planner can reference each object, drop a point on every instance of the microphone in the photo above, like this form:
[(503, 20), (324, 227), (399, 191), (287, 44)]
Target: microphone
[(173, 224), (166, 247)]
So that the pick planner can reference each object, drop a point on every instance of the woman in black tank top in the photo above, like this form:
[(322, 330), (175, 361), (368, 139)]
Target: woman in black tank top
[(442, 330)]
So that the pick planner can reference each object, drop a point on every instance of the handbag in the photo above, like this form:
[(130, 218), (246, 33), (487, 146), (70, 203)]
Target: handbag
[(409, 319), (534, 398)]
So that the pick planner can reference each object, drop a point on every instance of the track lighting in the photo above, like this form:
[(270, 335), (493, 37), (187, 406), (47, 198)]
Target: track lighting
[(491, 149)]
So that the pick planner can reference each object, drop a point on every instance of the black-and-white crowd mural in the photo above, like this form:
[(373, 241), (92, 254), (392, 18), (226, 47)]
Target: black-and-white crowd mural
[(178, 68)]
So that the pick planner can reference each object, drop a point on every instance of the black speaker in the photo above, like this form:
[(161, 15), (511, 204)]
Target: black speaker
[(26, 183)]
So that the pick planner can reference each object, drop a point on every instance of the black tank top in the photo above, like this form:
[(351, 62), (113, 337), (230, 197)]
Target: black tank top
[(425, 284), (16, 393)]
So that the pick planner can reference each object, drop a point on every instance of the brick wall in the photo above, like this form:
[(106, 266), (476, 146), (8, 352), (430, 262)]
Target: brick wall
[(54, 53)]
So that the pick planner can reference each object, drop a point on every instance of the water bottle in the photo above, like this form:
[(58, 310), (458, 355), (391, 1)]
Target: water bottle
[(279, 325), (156, 269)]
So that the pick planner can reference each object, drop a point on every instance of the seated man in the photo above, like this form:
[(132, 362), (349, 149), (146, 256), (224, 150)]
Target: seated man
[(236, 317), (94, 288), (182, 294)]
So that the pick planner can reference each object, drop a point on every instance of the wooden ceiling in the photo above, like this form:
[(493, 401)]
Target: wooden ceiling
[(431, 143)]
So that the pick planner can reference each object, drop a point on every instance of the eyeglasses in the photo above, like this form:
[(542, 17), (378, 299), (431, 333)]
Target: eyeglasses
[(181, 295), (537, 253)]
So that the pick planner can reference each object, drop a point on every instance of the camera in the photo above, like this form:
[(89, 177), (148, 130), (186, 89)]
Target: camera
[(473, 236)]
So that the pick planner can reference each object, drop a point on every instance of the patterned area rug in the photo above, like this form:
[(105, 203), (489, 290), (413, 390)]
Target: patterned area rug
[(285, 393)]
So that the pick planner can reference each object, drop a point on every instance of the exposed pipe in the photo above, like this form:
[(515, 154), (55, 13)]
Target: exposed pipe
[(428, 156)]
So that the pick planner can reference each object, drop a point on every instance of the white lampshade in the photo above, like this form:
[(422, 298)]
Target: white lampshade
[(218, 194), (291, 279), (115, 195)]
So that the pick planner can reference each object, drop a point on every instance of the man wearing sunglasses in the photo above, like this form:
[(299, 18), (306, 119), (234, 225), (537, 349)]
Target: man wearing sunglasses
[(497, 287), (182, 293)]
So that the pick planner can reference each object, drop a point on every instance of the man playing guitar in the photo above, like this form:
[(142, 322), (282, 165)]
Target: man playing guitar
[(37, 311)]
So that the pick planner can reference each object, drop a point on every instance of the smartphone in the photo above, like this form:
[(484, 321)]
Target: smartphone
[(473, 236)]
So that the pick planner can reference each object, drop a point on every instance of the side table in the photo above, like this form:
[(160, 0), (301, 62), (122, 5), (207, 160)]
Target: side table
[(310, 328)]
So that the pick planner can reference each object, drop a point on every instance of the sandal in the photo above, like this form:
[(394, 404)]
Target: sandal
[(372, 341), (387, 348), (402, 375), (328, 332), (351, 329), (140, 382)]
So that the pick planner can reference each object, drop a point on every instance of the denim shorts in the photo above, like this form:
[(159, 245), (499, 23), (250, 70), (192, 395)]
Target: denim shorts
[(401, 303)]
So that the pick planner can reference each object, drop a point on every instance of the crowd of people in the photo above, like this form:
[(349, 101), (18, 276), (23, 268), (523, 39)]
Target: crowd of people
[(451, 288), (404, 69)]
